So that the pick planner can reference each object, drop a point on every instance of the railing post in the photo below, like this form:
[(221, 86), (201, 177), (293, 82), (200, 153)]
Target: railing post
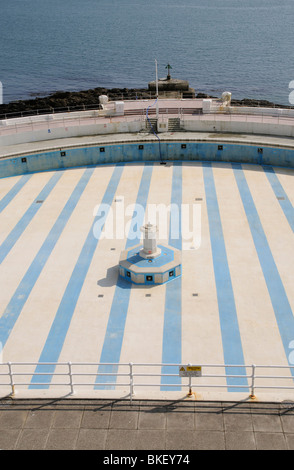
[(11, 378), (70, 377), (190, 387), (190, 384), (252, 395), (131, 382)]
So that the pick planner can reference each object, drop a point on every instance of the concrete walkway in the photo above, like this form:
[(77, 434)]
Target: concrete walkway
[(145, 425)]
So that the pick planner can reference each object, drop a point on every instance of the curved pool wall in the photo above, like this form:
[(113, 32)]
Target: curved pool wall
[(141, 152)]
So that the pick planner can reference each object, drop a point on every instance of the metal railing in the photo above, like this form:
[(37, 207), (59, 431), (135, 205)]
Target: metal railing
[(119, 97), (72, 108), (80, 119), (134, 375), (257, 117), (30, 124)]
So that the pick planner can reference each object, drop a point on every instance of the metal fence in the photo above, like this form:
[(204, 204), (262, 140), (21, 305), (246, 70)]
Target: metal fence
[(73, 108), (83, 118), (132, 376), (119, 97)]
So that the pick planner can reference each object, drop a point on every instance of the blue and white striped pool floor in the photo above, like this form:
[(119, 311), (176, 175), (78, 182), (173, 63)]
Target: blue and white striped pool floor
[(61, 298)]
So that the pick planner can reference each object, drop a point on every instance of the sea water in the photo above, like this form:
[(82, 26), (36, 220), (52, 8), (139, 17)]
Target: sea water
[(245, 47)]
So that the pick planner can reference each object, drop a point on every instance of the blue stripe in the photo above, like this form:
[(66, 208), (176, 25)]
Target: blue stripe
[(13, 191), (17, 231), (26, 285), (232, 346), (172, 328), (278, 296), (134, 235), (118, 313), (280, 193), (59, 328)]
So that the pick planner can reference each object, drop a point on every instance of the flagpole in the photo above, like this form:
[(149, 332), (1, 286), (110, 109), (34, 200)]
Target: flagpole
[(156, 88)]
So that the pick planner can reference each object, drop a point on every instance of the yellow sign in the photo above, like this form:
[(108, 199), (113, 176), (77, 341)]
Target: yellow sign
[(190, 371)]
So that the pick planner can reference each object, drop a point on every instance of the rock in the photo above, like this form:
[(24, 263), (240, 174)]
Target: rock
[(253, 103)]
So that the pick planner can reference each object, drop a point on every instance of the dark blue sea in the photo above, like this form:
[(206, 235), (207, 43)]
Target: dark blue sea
[(242, 46)]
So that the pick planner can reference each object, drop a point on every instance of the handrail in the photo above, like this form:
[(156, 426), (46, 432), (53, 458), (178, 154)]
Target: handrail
[(73, 370), (188, 116), (64, 109), (196, 112), (121, 97)]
